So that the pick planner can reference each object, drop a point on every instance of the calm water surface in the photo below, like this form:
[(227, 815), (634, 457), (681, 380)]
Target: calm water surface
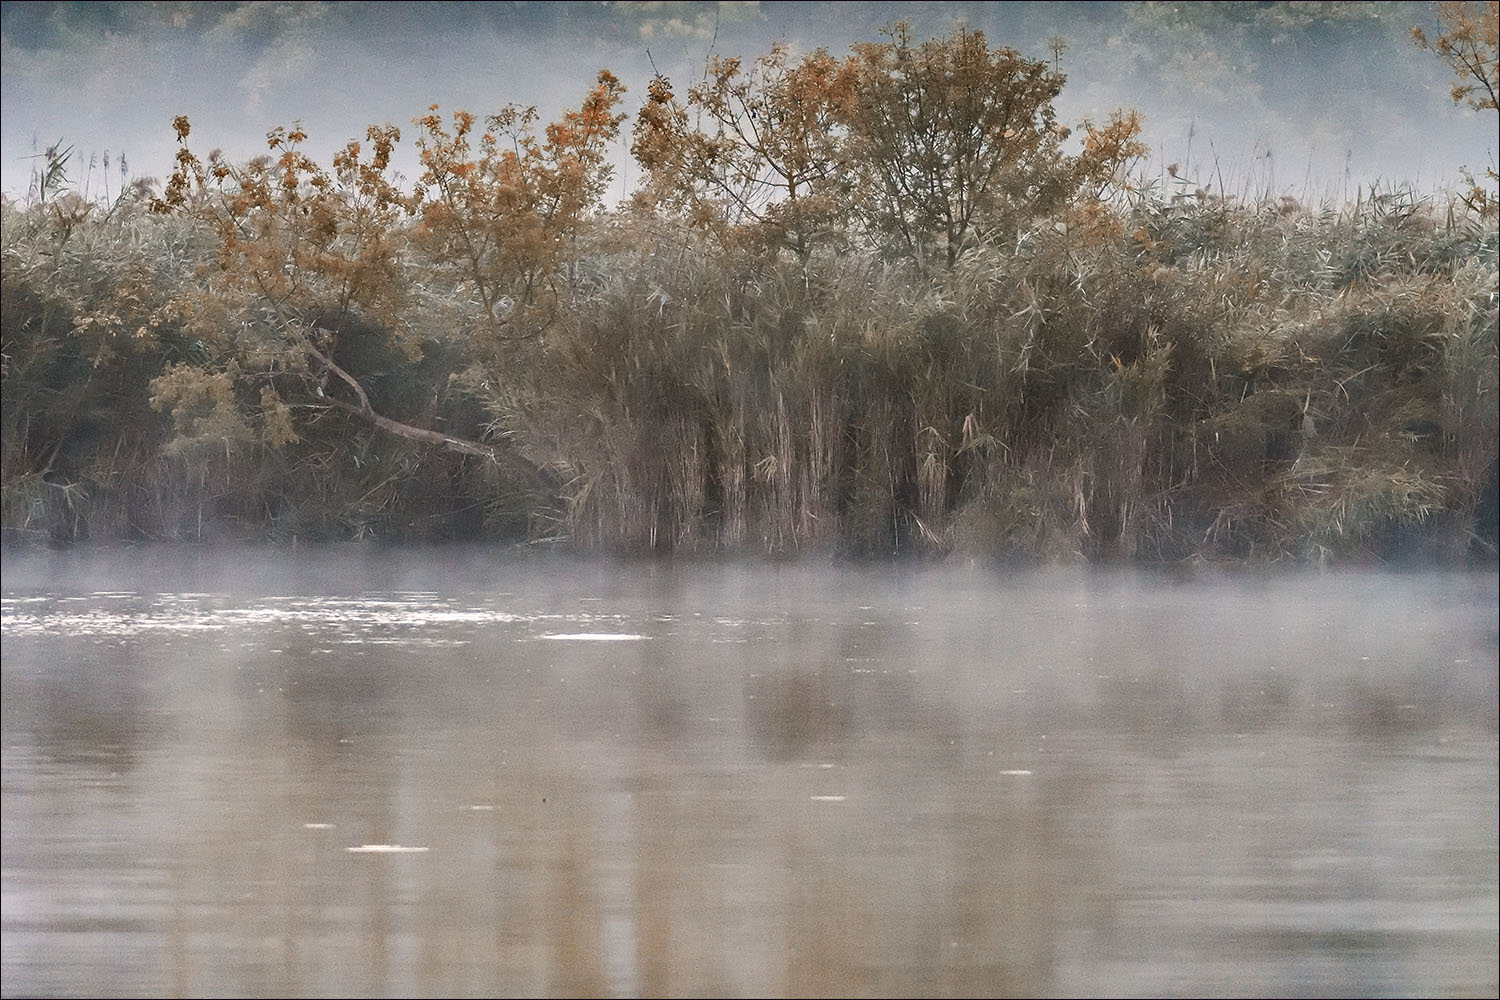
[(401, 774)]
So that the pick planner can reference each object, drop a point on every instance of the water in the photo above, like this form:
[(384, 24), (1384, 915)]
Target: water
[(401, 774)]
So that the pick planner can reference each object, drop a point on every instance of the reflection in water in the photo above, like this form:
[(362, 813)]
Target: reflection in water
[(789, 782)]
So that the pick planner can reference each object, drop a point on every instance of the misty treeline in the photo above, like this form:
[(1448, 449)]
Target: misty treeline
[(871, 305)]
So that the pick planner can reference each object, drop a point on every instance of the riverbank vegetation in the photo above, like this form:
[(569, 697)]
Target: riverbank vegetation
[(872, 306)]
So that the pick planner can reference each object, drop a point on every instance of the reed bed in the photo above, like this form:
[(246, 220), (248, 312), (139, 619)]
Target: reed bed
[(1214, 381)]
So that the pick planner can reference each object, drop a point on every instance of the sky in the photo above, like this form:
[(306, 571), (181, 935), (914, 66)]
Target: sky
[(1316, 100)]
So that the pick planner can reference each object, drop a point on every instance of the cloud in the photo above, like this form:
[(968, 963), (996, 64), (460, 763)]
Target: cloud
[(701, 21), (282, 41)]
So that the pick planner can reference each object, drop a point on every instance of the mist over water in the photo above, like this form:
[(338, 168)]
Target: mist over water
[(457, 773)]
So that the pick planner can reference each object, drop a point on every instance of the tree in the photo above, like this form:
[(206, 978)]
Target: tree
[(1470, 45), (320, 273), (950, 135), (765, 156), (498, 223), (308, 269)]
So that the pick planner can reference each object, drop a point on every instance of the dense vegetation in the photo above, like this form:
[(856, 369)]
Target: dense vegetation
[(862, 306)]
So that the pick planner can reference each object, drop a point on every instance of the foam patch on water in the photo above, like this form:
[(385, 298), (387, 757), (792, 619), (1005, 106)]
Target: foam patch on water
[(595, 636), (416, 619)]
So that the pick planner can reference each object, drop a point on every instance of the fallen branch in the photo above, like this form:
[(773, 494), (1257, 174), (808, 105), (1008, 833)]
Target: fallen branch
[(367, 412)]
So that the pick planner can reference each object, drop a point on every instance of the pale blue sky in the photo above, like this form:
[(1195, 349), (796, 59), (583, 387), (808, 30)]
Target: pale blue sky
[(1297, 98)]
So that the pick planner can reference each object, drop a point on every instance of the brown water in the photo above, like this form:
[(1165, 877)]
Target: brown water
[(620, 781)]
